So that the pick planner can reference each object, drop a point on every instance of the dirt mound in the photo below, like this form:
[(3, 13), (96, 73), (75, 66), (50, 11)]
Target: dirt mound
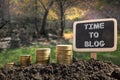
[(78, 70)]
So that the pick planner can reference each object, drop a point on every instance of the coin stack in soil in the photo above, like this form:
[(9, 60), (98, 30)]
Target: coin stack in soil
[(25, 60), (43, 56), (64, 54), (9, 65)]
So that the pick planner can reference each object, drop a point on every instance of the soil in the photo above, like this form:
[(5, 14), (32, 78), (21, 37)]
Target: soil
[(78, 70)]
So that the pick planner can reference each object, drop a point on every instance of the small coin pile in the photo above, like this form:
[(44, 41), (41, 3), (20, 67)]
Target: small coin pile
[(9, 65), (64, 54), (25, 60), (43, 56)]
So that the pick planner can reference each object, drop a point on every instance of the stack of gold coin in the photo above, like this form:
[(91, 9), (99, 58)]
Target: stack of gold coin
[(64, 54), (9, 65), (25, 60), (43, 56)]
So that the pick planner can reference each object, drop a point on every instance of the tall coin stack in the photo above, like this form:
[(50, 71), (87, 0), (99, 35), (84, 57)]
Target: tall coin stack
[(25, 60), (43, 56), (64, 54)]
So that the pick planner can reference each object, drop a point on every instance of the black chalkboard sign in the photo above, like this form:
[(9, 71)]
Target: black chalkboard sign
[(95, 35)]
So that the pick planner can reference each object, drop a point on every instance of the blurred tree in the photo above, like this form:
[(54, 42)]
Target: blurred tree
[(110, 9), (4, 13), (36, 17), (26, 14), (46, 6), (60, 7), (110, 2)]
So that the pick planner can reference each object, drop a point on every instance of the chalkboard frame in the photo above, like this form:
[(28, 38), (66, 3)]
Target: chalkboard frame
[(106, 49)]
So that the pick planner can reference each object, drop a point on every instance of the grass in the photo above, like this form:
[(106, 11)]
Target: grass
[(12, 55), (111, 56)]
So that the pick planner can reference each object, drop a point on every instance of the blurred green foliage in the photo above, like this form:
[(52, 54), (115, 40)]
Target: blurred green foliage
[(12, 55)]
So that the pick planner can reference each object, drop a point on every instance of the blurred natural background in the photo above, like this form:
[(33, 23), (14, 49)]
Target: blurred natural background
[(26, 25)]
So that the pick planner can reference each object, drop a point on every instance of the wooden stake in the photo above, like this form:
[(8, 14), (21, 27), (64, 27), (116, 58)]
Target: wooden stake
[(93, 55)]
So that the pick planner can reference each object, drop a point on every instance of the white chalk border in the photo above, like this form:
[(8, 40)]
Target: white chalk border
[(95, 49)]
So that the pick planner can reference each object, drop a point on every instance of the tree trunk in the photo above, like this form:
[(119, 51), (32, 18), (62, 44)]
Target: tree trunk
[(6, 10), (42, 30), (4, 13), (62, 27), (1, 12), (44, 20), (36, 17), (61, 20)]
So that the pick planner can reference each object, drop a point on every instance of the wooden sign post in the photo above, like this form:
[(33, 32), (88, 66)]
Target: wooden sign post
[(98, 35), (93, 55)]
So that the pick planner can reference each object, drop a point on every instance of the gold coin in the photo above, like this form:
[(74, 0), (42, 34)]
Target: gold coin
[(25, 60), (69, 60), (64, 62), (43, 50), (43, 62), (64, 56), (64, 59), (64, 52), (43, 54), (24, 57), (63, 47), (39, 58), (8, 65)]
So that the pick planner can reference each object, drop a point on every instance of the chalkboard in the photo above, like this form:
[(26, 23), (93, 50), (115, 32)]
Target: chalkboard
[(95, 35)]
